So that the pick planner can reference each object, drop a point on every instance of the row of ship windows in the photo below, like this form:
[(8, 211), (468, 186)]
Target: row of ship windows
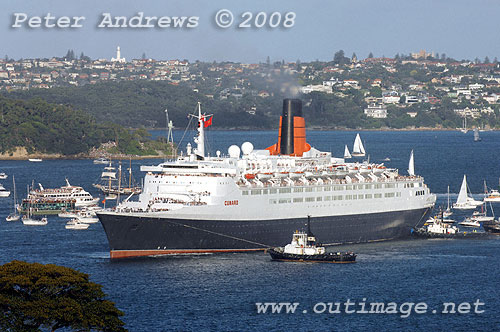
[(318, 188), (183, 182), (314, 189), (66, 195), (332, 198), (419, 192)]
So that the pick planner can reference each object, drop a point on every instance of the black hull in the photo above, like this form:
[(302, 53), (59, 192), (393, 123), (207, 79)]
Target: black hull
[(321, 258), (130, 236), (492, 228), (459, 235)]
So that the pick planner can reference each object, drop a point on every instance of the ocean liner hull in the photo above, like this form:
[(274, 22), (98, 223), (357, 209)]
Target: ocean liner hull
[(134, 236)]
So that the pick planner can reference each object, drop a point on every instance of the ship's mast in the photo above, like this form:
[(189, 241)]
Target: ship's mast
[(170, 136), (200, 139), (119, 182), (130, 174)]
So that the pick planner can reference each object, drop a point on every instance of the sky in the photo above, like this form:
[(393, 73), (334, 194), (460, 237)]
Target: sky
[(460, 29)]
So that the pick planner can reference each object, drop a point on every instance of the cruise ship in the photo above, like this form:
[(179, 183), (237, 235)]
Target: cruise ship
[(254, 199)]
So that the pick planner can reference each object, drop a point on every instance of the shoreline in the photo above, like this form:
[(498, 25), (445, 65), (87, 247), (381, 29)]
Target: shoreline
[(62, 157), (335, 129), (21, 154)]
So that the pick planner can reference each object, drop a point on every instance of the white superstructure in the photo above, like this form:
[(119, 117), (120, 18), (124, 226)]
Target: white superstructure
[(251, 184)]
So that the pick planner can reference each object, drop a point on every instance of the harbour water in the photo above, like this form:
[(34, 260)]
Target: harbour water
[(219, 292)]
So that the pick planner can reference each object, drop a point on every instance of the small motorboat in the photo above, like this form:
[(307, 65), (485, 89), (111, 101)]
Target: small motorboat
[(469, 222), (32, 221), (35, 160), (101, 160), (13, 217), (68, 214), (493, 196), (87, 217), (75, 223), (481, 217), (3, 176), (434, 219), (303, 249), (4, 192)]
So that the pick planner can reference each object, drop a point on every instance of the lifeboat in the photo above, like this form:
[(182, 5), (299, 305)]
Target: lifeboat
[(295, 175), (379, 169), (264, 176)]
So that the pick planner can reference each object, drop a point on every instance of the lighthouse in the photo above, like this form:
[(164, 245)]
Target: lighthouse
[(118, 56)]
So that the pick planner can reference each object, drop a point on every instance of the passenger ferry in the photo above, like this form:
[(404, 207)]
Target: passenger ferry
[(254, 199), (64, 193)]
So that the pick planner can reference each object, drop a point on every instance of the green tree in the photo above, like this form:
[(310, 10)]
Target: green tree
[(83, 57), (70, 55), (339, 58), (34, 296)]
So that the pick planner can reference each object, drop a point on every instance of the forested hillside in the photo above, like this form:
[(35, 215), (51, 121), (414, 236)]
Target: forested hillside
[(41, 127), (135, 104)]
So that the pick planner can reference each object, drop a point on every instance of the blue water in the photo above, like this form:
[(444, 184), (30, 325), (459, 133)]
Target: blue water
[(219, 292)]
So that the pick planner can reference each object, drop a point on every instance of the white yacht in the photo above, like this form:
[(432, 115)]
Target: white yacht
[(14, 216), (492, 196), (469, 222), (29, 220), (87, 217), (464, 201), (76, 224), (102, 161), (4, 192), (358, 149)]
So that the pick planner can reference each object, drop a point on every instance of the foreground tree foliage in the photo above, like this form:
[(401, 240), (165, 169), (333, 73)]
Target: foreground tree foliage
[(34, 296)]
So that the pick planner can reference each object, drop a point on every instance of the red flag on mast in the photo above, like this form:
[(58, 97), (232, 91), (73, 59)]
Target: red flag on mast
[(208, 122)]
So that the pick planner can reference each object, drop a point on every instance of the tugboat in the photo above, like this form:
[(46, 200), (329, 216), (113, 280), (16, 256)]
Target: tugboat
[(303, 249), (439, 229)]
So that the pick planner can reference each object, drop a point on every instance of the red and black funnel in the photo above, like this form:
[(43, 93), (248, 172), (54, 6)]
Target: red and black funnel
[(292, 131)]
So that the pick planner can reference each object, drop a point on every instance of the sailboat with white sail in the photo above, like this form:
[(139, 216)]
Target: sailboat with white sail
[(464, 129), (476, 135), (29, 220), (465, 202), (14, 216), (448, 212), (358, 149), (411, 165), (347, 154)]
